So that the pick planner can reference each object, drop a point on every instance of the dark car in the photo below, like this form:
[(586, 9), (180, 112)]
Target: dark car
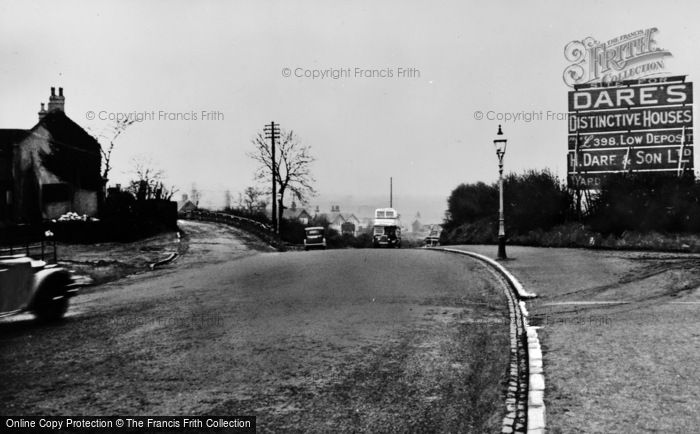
[(34, 286), (315, 238), (387, 236)]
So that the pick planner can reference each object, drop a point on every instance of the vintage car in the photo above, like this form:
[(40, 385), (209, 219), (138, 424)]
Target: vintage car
[(386, 236), (431, 241), (314, 238), (28, 285), (433, 238)]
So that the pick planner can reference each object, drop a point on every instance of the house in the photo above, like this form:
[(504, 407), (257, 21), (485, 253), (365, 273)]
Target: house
[(344, 223), (294, 213), (185, 205), (50, 169)]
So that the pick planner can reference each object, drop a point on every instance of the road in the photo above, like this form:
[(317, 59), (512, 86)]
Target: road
[(341, 340)]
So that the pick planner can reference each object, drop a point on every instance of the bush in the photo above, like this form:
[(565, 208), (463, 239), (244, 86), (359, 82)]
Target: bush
[(471, 202), (532, 201), (292, 231), (644, 202), (362, 241), (535, 200), (483, 231)]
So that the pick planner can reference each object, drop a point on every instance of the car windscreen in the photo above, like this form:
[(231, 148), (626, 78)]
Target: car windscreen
[(313, 233)]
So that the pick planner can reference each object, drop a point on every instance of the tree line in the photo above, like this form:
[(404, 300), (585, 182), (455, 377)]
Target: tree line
[(538, 200)]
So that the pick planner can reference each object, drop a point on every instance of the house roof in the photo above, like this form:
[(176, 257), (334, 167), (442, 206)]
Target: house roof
[(296, 213), (338, 217), (349, 216), (65, 132), (75, 155), (185, 205)]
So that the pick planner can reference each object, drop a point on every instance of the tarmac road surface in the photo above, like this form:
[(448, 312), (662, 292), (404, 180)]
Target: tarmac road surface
[(340, 340)]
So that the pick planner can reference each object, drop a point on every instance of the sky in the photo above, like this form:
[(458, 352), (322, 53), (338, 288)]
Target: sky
[(184, 58)]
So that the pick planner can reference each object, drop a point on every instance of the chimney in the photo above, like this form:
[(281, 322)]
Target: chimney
[(57, 102), (184, 198), (42, 112)]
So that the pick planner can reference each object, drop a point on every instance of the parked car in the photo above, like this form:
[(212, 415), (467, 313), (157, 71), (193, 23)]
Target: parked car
[(28, 285), (431, 242), (314, 238)]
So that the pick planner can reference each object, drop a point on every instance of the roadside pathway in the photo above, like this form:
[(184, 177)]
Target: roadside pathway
[(620, 336)]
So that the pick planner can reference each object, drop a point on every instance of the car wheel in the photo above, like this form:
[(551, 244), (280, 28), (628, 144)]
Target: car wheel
[(49, 309)]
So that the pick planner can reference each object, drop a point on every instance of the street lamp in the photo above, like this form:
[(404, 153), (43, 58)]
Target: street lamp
[(500, 143)]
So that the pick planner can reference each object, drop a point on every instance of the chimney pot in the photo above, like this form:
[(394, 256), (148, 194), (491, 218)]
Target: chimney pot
[(42, 112), (56, 102)]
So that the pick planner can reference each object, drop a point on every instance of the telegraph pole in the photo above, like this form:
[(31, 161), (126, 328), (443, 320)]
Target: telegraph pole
[(272, 132), (391, 192)]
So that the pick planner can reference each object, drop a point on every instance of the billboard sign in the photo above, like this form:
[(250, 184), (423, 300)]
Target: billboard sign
[(622, 120), (600, 98), (635, 138), (633, 126), (625, 159)]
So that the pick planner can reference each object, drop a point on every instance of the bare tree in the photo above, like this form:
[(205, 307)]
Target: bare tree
[(148, 181), (251, 200), (293, 166), (110, 134)]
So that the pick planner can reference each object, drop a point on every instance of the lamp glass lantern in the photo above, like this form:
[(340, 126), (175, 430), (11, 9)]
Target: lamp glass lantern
[(500, 142)]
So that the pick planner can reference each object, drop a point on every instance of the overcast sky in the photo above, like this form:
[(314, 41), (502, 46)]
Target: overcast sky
[(229, 57)]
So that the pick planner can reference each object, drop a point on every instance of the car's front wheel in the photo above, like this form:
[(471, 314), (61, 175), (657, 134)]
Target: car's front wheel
[(51, 309), (51, 301)]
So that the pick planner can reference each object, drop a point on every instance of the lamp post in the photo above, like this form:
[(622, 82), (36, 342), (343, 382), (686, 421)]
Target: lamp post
[(500, 143)]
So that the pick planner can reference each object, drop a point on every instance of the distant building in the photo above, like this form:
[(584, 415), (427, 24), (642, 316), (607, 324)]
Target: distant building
[(185, 205), (50, 169), (365, 223), (416, 225), (344, 223), (294, 213)]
